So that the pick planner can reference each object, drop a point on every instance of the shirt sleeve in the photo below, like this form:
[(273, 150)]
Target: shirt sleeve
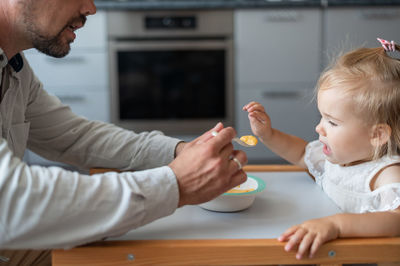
[(385, 198), (46, 208), (314, 159), (58, 134)]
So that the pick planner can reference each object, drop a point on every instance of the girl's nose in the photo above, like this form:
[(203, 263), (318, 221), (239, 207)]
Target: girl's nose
[(319, 129)]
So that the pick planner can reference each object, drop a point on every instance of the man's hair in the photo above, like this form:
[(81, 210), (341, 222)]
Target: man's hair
[(372, 79)]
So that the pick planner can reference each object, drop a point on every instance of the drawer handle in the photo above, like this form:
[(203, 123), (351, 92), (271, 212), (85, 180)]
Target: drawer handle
[(286, 16), (381, 14), (281, 94), (66, 60), (72, 98)]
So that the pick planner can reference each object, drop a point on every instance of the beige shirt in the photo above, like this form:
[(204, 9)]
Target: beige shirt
[(54, 208)]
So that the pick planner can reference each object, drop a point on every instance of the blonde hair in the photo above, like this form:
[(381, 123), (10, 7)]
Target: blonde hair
[(372, 78)]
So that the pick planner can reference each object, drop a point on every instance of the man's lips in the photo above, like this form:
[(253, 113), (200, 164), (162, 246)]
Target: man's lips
[(76, 23)]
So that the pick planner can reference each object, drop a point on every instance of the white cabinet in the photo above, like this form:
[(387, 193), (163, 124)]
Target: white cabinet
[(278, 46), (278, 61), (351, 27), (80, 79)]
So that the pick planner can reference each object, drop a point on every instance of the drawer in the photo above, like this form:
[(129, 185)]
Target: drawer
[(278, 45), (291, 111), (93, 105), (77, 68)]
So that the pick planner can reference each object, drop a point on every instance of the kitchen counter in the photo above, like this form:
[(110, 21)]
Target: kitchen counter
[(232, 4)]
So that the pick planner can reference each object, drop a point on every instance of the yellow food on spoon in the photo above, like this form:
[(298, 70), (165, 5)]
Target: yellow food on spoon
[(250, 140)]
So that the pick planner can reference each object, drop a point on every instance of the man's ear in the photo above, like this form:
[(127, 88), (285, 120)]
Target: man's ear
[(380, 134)]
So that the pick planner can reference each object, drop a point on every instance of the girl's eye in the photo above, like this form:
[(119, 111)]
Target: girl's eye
[(332, 123)]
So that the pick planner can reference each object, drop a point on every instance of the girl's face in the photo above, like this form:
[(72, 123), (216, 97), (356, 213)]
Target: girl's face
[(346, 138)]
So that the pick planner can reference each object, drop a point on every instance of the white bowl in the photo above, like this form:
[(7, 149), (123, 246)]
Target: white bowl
[(236, 201)]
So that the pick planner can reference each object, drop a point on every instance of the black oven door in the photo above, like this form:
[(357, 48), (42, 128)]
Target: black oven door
[(178, 87)]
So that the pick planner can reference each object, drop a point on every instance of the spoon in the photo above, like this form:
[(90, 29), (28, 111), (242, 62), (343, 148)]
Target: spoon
[(238, 141)]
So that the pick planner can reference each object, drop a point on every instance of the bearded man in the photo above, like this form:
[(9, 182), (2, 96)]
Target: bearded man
[(44, 208)]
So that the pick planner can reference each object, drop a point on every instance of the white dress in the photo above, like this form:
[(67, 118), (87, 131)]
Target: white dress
[(349, 186)]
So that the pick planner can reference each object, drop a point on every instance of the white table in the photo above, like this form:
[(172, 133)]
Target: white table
[(289, 198)]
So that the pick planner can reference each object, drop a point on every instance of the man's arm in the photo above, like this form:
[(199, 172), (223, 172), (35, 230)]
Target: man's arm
[(44, 208), (58, 134)]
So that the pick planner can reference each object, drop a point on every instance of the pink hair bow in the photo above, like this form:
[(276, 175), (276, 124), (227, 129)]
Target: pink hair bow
[(388, 46)]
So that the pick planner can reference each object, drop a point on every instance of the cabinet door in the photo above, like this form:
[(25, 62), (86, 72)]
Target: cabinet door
[(78, 68), (278, 46), (291, 111), (93, 105), (349, 28)]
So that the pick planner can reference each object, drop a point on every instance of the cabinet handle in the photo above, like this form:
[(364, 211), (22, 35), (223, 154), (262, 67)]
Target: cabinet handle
[(71, 98), (285, 16), (381, 14), (66, 60), (282, 94)]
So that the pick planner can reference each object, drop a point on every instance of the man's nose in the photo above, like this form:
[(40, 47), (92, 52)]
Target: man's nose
[(88, 8)]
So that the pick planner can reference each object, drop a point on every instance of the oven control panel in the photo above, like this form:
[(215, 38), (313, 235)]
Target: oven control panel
[(170, 22)]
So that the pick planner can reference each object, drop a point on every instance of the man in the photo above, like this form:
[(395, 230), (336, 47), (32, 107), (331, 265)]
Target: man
[(44, 208)]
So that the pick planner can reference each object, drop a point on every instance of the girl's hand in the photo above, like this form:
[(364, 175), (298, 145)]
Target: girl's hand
[(259, 120), (309, 236)]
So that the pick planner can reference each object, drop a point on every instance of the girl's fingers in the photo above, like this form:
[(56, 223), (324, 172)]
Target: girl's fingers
[(295, 239), (252, 106), (285, 236), (248, 105), (315, 246), (304, 246), (262, 116), (256, 107), (254, 119)]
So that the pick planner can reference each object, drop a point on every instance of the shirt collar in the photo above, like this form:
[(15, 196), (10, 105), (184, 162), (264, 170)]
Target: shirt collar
[(3, 59), (16, 62)]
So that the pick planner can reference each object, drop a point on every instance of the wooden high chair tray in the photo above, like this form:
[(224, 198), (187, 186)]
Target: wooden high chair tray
[(194, 236)]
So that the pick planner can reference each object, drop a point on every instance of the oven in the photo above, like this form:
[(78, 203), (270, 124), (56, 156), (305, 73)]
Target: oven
[(171, 70)]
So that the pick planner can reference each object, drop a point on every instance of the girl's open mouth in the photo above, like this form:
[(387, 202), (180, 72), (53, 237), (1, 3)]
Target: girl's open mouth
[(326, 149)]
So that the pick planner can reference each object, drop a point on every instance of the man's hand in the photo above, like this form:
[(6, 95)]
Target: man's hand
[(204, 168), (179, 148)]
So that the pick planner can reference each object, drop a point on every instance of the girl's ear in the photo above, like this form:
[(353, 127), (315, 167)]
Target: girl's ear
[(380, 134)]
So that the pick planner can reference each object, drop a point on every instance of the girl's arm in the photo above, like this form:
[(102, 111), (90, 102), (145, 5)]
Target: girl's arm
[(289, 147), (310, 235), (368, 224)]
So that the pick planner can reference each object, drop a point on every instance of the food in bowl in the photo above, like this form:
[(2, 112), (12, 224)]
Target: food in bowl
[(239, 198)]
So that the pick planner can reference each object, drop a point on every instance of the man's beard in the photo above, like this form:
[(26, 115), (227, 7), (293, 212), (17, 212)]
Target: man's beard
[(49, 45)]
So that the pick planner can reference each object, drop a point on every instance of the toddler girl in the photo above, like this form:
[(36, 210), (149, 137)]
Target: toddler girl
[(356, 159)]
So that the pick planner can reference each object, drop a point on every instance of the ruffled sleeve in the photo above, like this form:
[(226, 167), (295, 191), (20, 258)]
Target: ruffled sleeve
[(385, 198), (314, 158)]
